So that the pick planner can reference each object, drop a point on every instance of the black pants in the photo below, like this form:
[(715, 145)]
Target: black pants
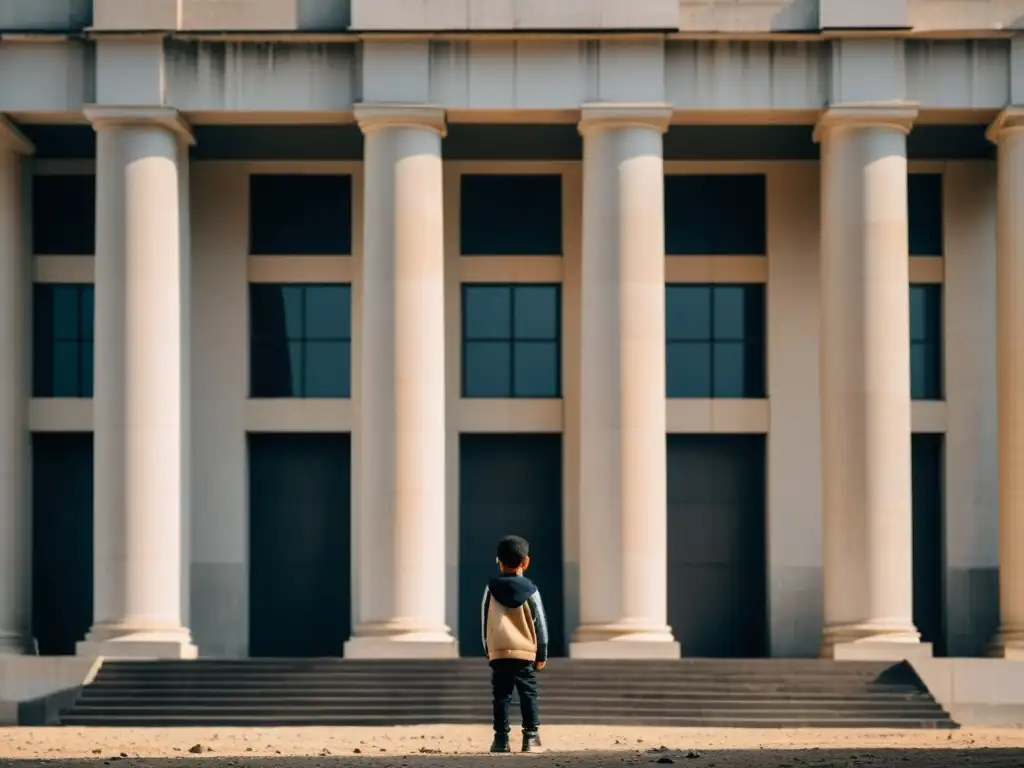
[(508, 675)]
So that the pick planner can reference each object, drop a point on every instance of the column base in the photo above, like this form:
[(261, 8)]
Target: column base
[(1007, 644), (14, 644), (385, 641), (125, 643), (615, 641), (874, 642)]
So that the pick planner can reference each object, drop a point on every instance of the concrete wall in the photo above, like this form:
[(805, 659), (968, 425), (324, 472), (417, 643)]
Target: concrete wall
[(790, 417), (545, 79)]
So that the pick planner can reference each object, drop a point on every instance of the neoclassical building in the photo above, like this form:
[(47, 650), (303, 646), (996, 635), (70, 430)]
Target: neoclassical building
[(305, 304)]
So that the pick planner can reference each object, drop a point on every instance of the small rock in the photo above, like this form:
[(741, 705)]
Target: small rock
[(124, 754), (357, 751), (665, 759), (97, 751), (325, 752), (693, 754), (197, 749)]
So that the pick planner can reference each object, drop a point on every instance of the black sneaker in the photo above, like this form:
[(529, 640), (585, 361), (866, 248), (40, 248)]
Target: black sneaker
[(531, 741), (500, 743)]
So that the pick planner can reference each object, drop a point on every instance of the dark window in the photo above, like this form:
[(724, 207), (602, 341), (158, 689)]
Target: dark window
[(64, 215), (512, 215), (716, 344), (300, 215), (511, 341), (926, 342), (715, 215), (300, 340), (62, 340), (924, 213)]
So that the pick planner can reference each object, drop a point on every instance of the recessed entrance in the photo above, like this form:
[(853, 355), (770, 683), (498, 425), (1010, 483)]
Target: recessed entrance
[(510, 484), (299, 562), (62, 536), (929, 560), (717, 591)]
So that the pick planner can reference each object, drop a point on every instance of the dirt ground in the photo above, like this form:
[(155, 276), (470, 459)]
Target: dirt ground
[(464, 746)]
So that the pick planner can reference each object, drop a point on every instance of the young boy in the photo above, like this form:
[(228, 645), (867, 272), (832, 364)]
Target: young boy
[(515, 635)]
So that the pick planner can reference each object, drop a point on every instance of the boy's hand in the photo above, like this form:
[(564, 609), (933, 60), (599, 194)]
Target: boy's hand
[(540, 665)]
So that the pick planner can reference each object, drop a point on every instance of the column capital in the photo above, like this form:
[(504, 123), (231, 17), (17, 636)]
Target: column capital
[(600, 115), (13, 139), (1010, 120), (167, 118), (895, 115), (372, 117)]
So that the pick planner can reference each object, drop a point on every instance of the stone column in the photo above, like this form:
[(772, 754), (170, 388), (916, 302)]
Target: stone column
[(1008, 134), (623, 472), (140, 402), (865, 383), (400, 529), (15, 506)]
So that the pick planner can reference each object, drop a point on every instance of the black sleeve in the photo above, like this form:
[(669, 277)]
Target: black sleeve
[(540, 625)]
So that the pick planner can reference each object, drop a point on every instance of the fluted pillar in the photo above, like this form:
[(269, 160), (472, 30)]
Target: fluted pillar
[(1008, 134), (140, 401), (401, 508), (623, 440), (865, 383), (15, 508)]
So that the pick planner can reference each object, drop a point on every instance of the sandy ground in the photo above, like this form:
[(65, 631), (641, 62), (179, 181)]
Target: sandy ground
[(457, 746)]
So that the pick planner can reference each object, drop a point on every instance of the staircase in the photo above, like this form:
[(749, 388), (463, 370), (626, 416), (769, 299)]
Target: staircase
[(690, 693)]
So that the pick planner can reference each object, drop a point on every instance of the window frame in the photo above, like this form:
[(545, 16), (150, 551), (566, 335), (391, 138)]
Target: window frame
[(303, 339), (702, 170), (295, 173), (934, 292), (84, 389), (507, 172), (511, 340), (714, 343)]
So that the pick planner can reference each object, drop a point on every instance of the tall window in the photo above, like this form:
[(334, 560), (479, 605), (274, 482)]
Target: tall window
[(64, 215), (926, 342), (716, 341), (511, 343), (300, 215), (62, 340), (715, 215), (511, 215), (924, 213), (300, 340)]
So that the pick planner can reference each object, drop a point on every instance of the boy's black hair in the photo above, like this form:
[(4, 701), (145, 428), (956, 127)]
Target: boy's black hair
[(512, 551)]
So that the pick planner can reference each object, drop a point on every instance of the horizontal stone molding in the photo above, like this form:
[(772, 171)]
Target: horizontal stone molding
[(611, 115), (167, 118), (373, 117), (898, 116)]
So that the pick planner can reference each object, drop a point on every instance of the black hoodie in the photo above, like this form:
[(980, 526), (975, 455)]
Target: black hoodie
[(513, 591)]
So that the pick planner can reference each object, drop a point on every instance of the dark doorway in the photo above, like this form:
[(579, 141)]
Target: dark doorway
[(62, 538), (717, 591), (299, 561), (510, 484), (929, 561)]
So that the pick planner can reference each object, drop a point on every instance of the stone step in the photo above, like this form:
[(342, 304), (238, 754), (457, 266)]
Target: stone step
[(333, 692)]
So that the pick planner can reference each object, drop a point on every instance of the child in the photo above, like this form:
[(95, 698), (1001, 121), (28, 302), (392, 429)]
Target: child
[(515, 635)]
